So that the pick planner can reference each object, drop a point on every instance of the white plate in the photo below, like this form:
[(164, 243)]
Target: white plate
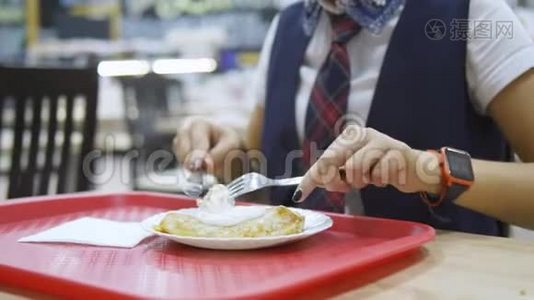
[(314, 222)]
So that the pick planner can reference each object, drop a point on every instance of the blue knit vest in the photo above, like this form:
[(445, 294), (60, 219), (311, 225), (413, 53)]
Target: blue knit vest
[(421, 98)]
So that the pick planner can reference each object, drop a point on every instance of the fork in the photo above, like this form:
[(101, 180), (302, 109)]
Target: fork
[(254, 181), (195, 184)]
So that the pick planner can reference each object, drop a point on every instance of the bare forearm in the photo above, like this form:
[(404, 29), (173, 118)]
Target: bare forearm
[(254, 130), (502, 190)]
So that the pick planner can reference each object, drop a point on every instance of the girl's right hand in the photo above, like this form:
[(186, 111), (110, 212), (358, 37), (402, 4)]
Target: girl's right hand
[(369, 157)]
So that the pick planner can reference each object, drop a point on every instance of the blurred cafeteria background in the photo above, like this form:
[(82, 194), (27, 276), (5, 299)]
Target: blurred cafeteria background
[(156, 61), (112, 80)]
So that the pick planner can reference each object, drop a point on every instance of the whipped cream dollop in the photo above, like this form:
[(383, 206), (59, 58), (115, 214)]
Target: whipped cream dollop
[(218, 208), (217, 200)]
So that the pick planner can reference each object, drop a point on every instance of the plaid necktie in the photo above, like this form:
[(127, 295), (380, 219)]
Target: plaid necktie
[(328, 105)]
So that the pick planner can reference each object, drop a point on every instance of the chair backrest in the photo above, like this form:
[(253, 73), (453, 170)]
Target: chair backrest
[(146, 100), (51, 115)]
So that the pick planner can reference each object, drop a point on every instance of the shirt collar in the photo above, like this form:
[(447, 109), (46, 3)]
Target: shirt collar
[(372, 15)]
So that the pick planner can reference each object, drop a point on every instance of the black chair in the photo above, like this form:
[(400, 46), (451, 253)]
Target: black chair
[(52, 116), (146, 99)]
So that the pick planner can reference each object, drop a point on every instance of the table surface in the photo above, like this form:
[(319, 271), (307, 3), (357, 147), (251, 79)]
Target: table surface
[(453, 266)]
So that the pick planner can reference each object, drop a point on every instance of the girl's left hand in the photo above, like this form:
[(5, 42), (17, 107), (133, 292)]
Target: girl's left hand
[(369, 157)]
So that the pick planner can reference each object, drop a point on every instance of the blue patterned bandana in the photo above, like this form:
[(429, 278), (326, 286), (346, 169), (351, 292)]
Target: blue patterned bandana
[(370, 14)]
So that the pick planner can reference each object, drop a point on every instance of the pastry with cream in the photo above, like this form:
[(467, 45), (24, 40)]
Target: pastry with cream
[(217, 216)]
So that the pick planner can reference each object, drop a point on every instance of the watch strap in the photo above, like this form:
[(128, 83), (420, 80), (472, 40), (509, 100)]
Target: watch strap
[(454, 191)]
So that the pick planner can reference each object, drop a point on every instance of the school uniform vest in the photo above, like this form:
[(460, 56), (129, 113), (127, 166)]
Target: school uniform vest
[(421, 99)]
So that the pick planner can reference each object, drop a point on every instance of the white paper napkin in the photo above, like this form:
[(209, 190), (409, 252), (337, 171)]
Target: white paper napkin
[(93, 231)]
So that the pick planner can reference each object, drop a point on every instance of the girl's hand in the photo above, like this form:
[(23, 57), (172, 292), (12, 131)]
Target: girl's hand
[(203, 145), (363, 156)]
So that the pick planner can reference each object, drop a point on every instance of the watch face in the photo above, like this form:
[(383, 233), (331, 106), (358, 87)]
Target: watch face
[(460, 164)]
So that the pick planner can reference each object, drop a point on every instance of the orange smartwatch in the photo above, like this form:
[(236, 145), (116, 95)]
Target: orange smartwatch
[(457, 175)]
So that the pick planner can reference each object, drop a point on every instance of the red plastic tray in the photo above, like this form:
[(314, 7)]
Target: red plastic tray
[(158, 268)]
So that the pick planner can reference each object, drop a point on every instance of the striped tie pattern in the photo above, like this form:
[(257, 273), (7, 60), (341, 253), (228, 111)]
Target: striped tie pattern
[(328, 105)]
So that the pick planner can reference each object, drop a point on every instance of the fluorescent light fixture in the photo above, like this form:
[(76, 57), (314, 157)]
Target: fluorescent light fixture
[(116, 68), (184, 65)]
